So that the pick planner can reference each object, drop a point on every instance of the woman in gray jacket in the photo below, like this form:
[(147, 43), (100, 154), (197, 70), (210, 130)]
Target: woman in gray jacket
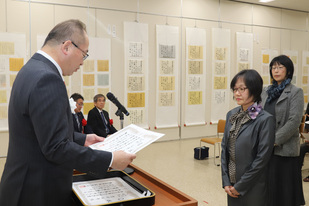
[(286, 102), (247, 144)]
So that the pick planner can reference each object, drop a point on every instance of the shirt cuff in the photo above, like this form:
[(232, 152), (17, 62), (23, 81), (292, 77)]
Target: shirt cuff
[(110, 164)]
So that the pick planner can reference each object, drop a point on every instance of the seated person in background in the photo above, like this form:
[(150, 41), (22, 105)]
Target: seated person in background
[(98, 119), (79, 122), (304, 148), (307, 118)]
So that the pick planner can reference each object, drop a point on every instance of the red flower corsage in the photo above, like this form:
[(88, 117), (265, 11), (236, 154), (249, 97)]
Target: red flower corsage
[(111, 122), (84, 122)]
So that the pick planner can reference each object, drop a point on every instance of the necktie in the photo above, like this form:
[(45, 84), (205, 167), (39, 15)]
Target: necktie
[(104, 122), (78, 124)]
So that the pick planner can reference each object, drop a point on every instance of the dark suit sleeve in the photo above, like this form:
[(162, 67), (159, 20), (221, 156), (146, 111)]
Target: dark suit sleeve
[(79, 138), (51, 117)]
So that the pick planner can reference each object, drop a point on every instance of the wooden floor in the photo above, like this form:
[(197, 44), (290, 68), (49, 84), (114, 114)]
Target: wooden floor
[(173, 162)]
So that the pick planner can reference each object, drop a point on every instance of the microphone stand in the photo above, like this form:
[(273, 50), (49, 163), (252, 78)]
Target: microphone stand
[(119, 113)]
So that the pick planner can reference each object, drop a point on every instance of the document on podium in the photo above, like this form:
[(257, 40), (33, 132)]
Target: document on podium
[(98, 192), (130, 139)]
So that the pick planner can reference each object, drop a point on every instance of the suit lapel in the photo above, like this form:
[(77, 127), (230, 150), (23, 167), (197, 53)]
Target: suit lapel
[(98, 114), (284, 94), (248, 124), (282, 97), (243, 127)]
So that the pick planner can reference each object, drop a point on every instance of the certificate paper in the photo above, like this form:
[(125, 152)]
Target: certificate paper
[(98, 192), (130, 139)]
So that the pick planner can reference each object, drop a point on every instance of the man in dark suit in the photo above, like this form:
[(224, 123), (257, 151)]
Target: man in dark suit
[(43, 148), (98, 119), (79, 122), (304, 148)]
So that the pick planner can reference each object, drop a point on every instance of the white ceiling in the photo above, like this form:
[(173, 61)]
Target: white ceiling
[(300, 5)]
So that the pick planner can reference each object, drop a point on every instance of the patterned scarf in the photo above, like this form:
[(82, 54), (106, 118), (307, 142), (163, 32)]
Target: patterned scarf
[(275, 90), (237, 120)]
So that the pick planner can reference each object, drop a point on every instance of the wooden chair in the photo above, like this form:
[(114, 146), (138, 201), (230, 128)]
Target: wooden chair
[(216, 141), (302, 128), (303, 119)]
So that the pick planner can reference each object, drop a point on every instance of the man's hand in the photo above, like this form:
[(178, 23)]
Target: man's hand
[(122, 160), (92, 138)]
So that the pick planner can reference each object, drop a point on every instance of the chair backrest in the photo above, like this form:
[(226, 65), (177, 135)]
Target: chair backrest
[(303, 119), (220, 127), (301, 127)]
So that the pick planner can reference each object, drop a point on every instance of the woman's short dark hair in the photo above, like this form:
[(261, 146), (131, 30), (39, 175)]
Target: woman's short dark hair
[(285, 61), (253, 82)]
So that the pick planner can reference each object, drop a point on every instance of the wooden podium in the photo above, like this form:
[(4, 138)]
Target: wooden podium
[(166, 195)]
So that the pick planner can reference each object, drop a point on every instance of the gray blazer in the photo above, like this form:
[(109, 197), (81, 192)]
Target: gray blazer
[(289, 110), (43, 149), (254, 146)]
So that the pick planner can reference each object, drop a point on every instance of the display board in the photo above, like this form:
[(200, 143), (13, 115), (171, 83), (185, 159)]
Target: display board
[(94, 76), (12, 59), (96, 72), (267, 56), (167, 97), (136, 73), (221, 46), (294, 57), (195, 77), (305, 74), (244, 43)]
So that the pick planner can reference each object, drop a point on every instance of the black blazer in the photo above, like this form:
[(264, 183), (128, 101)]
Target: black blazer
[(96, 123), (87, 128), (43, 148)]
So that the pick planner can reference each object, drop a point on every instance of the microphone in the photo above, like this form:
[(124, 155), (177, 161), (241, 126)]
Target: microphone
[(113, 99)]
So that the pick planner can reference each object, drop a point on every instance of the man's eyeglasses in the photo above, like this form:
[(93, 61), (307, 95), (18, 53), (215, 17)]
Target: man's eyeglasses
[(240, 89), (85, 55)]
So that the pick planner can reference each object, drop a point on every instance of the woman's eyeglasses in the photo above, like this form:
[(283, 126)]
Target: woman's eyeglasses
[(240, 89)]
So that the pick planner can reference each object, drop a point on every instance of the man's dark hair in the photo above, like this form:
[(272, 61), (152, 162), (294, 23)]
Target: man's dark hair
[(77, 96)]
